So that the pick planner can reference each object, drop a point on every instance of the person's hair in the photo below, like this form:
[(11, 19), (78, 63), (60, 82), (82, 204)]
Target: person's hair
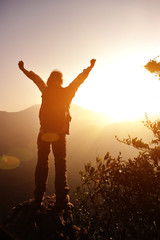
[(55, 76)]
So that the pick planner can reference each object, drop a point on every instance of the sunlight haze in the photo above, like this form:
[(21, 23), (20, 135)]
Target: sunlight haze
[(122, 35)]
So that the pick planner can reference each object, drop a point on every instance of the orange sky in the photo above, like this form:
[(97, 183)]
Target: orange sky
[(58, 34)]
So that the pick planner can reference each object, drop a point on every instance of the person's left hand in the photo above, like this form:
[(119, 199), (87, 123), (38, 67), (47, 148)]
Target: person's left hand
[(92, 62)]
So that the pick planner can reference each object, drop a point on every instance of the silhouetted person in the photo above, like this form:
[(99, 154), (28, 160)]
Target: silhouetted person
[(54, 125)]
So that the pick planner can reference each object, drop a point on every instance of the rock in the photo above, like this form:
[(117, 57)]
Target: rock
[(23, 222)]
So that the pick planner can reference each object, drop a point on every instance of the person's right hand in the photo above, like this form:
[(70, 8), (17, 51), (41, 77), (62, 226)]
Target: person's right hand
[(21, 65)]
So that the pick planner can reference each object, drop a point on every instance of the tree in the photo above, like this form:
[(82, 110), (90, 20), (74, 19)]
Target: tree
[(120, 199)]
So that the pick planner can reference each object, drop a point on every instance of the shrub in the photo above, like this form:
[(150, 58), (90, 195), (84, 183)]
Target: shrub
[(120, 199)]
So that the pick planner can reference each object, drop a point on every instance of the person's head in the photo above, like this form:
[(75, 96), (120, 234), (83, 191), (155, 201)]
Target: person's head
[(55, 78)]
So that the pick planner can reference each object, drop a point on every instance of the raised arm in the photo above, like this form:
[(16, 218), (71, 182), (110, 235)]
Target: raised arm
[(74, 85), (34, 77)]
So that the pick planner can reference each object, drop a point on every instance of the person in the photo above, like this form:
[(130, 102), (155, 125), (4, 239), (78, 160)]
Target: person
[(55, 119)]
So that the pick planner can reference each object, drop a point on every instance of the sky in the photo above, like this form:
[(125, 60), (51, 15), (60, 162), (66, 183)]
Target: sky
[(122, 35)]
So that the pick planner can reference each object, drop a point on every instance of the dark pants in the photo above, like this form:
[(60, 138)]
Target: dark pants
[(41, 173)]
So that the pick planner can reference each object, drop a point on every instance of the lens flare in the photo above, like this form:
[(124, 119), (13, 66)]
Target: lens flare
[(9, 162), (50, 137)]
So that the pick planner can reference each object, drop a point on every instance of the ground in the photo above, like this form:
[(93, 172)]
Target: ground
[(48, 223)]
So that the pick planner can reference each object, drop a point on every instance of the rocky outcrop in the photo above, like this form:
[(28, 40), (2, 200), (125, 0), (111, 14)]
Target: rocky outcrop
[(23, 222)]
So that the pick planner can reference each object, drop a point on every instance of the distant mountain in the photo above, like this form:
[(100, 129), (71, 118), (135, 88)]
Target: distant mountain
[(91, 134)]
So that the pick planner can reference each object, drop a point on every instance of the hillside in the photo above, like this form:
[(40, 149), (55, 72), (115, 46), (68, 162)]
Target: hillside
[(90, 135)]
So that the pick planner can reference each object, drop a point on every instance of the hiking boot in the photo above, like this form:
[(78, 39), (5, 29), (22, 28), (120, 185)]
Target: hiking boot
[(64, 203), (35, 205)]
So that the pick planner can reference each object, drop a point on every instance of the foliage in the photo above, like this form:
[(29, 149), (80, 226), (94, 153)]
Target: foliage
[(153, 66), (121, 199)]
